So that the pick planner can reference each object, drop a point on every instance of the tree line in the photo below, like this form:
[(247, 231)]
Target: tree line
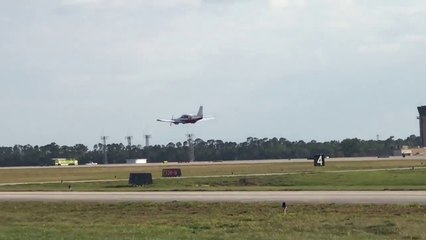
[(210, 150)]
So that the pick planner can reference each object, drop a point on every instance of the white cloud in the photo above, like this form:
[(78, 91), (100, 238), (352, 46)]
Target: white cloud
[(235, 56), (132, 3), (283, 4), (413, 38), (81, 2), (279, 3), (385, 48)]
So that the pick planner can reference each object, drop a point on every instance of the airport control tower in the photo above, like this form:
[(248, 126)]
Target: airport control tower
[(422, 121)]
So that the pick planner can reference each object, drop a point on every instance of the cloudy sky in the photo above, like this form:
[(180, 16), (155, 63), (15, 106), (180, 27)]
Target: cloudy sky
[(73, 70)]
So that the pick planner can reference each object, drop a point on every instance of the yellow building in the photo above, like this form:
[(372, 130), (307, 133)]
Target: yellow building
[(65, 161)]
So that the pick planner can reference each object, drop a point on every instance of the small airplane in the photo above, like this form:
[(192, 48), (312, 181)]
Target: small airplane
[(187, 118)]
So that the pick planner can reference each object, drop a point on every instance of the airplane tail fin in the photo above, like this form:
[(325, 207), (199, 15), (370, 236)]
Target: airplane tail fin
[(200, 111)]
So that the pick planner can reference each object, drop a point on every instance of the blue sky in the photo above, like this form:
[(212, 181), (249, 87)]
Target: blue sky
[(73, 70)]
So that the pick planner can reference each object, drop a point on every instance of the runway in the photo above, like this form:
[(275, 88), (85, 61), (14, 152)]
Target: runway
[(175, 164), (313, 197)]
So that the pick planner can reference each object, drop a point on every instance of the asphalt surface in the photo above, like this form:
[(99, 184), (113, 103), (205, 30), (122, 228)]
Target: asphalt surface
[(337, 197)]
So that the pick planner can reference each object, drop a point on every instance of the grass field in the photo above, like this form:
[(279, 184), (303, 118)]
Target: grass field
[(197, 220), (178, 220), (377, 180), (99, 172)]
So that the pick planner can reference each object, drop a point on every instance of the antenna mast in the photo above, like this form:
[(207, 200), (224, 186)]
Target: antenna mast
[(129, 140), (191, 151), (129, 145), (104, 149), (147, 137)]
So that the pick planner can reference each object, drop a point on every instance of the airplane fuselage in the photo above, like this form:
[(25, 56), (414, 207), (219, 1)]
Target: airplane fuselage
[(185, 119)]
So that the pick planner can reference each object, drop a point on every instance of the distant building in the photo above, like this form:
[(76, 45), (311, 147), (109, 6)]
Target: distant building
[(136, 161), (418, 151), (422, 123), (405, 151), (402, 151)]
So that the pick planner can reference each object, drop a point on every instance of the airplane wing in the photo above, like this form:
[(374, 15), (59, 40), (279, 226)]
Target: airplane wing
[(206, 119), (166, 120)]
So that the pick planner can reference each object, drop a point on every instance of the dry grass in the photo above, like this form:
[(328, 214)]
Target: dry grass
[(408, 179), (178, 220), (122, 172)]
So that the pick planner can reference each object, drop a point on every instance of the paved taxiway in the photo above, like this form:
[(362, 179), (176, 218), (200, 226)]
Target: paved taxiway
[(338, 197)]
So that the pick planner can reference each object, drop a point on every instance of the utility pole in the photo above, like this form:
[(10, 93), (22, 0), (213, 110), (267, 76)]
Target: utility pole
[(104, 149), (129, 140), (191, 151), (129, 145), (147, 137)]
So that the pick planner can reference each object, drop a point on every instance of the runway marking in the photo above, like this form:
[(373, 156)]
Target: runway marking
[(306, 172), (233, 162), (64, 182)]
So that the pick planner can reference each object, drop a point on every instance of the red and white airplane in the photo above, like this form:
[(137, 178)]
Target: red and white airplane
[(187, 118)]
